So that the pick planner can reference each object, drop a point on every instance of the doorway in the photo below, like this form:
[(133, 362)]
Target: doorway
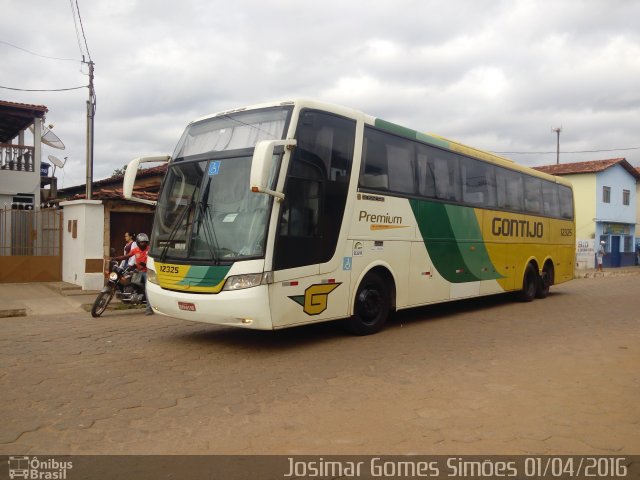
[(132, 222), (615, 251)]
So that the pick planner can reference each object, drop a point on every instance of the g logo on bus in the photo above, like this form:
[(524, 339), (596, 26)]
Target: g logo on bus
[(316, 298)]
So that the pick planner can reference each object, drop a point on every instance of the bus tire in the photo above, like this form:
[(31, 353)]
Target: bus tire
[(530, 282), (372, 306), (545, 282)]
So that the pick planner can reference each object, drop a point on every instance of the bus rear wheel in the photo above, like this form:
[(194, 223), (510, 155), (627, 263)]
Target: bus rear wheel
[(372, 306), (529, 284), (546, 280)]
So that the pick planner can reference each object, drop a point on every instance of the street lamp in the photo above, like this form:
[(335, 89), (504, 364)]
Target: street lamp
[(557, 130)]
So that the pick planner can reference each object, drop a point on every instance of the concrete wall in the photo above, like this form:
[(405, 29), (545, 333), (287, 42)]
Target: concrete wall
[(584, 191), (637, 211), (585, 253), (82, 243)]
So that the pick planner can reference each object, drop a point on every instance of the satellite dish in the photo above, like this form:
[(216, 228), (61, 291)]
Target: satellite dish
[(56, 163), (49, 138)]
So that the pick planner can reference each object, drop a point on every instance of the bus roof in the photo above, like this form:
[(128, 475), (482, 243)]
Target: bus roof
[(432, 139)]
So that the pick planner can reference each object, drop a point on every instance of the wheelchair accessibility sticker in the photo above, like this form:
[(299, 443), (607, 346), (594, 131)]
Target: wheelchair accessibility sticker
[(316, 298), (214, 168)]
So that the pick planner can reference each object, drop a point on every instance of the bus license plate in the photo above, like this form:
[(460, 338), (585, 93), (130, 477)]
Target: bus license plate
[(189, 307)]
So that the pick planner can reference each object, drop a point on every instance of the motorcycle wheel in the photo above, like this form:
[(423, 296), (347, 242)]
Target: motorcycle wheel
[(100, 305)]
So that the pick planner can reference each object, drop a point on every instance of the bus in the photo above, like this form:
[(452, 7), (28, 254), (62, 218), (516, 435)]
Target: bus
[(296, 212)]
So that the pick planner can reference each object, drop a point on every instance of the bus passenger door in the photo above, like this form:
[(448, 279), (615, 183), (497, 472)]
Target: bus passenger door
[(310, 220)]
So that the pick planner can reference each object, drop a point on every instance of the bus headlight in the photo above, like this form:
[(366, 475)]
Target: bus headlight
[(239, 282), (152, 277)]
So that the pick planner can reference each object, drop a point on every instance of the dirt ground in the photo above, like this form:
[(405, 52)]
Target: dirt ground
[(485, 376)]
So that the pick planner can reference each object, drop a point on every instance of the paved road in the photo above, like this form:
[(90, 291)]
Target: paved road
[(559, 375)]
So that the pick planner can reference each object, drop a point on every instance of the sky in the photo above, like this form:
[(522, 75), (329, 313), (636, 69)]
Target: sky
[(496, 75)]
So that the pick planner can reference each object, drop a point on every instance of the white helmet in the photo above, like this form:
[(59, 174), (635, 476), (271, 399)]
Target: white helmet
[(142, 237)]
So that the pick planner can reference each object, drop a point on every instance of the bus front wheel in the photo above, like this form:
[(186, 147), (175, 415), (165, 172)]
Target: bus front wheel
[(372, 306)]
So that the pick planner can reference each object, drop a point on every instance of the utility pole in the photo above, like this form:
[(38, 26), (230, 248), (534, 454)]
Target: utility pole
[(91, 111), (557, 130)]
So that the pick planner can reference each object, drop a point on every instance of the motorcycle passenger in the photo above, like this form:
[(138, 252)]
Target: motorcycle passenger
[(130, 243), (139, 252)]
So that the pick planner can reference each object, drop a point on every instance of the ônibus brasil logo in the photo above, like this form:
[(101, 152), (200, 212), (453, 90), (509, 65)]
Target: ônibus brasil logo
[(33, 468)]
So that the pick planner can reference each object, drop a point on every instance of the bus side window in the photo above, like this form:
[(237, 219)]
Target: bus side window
[(566, 202), (301, 208), (375, 174), (509, 189), (550, 200), (442, 178), (532, 194), (447, 176), (315, 190), (402, 175), (478, 183), (426, 174)]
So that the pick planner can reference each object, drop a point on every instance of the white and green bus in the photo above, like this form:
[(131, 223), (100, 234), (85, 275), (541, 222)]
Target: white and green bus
[(296, 212)]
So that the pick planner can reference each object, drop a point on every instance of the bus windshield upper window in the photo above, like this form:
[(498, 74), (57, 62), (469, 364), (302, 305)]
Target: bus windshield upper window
[(233, 131)]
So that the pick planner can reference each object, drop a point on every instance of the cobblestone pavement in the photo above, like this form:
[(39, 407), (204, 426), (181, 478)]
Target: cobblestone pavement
[(486, 376)]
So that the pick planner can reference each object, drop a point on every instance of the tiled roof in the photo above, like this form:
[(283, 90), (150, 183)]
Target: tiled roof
[(593, 166), (15, 117), (142, 173), (117, 180), (28, 106), (110, 193)]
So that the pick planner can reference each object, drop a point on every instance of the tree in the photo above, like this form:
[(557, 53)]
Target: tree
[(119, 172)]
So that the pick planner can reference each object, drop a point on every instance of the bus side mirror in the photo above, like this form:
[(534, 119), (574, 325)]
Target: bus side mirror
[(264, 168), (130, 177)]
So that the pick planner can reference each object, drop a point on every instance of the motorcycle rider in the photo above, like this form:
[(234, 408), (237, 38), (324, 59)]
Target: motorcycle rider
[(139, 252)]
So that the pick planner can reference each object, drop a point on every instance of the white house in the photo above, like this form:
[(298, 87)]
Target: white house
[(30, 237), (19, 162)]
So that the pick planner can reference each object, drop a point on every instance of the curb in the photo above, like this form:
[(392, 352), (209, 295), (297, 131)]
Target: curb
[(606, 273), (114, 306), (13, 312)]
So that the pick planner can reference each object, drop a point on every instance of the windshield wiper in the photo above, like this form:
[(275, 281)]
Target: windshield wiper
[(209, 234), (174, 230), (204, 217)]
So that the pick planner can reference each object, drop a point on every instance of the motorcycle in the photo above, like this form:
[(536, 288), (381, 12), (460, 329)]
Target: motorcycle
[(125, 283)]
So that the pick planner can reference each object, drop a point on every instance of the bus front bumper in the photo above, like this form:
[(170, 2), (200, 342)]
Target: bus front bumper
[(248, 308)]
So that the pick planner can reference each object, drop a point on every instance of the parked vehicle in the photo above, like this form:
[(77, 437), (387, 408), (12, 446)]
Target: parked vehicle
[(125, 283)]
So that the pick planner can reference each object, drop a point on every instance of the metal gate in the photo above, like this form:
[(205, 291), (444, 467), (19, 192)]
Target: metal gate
[(30, 245)]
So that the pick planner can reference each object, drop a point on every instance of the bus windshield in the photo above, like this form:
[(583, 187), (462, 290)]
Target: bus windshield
[(206, 210)]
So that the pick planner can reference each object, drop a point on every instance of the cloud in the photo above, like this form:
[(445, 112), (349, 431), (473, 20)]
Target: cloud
[(494, 75)]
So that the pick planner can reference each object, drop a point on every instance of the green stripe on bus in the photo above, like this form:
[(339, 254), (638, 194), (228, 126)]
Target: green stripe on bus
[(453, 239), (205, 276), (407, 132)]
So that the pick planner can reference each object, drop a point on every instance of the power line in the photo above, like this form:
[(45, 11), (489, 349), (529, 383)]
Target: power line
[(37, 54), (75, 24), (44, 89), (82, 28), (575, 151)]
